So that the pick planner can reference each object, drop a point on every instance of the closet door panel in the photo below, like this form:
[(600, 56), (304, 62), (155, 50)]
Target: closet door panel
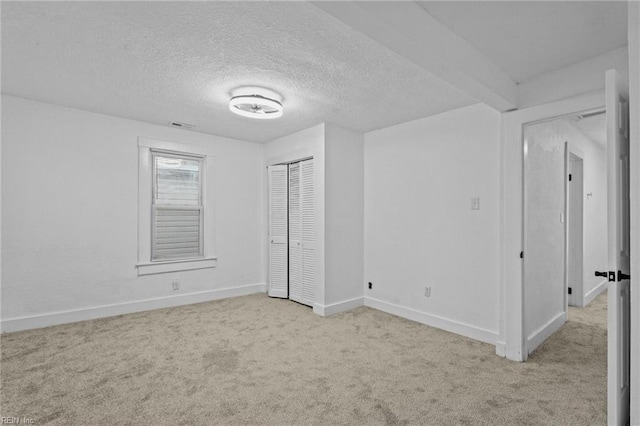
[(295, 235), (278, 232), (308, 232)]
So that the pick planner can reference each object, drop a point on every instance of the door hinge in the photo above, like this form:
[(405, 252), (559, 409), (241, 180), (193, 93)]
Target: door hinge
[(569, 177), (521, 255), (570, 290)]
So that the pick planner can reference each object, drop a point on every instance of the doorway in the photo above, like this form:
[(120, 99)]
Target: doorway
[(513, 328), (565, 220)]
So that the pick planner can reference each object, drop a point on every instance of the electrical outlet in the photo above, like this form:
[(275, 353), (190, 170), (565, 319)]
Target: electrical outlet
[(175, 285), (427, 291)]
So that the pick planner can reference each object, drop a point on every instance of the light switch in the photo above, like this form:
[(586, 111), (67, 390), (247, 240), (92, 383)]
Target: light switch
[(475, 203)]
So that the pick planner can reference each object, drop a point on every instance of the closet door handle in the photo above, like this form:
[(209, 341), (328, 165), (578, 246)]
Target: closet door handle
[(601, 274)]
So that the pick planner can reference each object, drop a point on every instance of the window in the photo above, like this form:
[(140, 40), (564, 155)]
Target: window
[(175, 207)]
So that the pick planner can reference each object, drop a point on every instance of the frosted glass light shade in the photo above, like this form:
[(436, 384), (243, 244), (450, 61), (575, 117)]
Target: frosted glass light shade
[(255, 106)]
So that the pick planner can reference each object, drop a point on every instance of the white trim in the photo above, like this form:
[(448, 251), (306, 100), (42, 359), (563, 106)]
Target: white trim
[(290, 157), (594, 292), (175, 146), (503, 254), (144, 265), (446, 324), (336, 308), (634, 112), (501, 349), (176, 266), (537, 337), (64, 317)]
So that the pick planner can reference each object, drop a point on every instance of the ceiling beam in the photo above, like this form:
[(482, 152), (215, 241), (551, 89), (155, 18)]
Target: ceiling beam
[(414, 34)]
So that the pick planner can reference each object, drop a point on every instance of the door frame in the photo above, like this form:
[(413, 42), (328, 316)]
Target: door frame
[(512, 335), (634, 105), (577, 296)]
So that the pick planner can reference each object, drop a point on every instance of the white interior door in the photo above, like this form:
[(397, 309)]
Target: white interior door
[(295, 234), (278, 253), (308, 231), (618, 248)]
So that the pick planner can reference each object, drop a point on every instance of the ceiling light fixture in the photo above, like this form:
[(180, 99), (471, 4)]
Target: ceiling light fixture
[(256, 102)]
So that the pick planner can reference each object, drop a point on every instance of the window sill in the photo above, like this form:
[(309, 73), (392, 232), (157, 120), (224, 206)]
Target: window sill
[(176, 266)]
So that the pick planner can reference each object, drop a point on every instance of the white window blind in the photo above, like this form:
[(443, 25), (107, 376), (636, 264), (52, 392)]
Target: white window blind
[(177, 210)]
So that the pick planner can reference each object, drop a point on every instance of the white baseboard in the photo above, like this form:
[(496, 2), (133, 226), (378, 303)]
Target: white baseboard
[(595, 292), (501, 349), (536, 338), (446, 324), (64, 317), (336, 308)]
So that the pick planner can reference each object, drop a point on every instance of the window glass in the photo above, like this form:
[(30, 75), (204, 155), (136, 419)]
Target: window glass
[(177, 207), (177, 180)]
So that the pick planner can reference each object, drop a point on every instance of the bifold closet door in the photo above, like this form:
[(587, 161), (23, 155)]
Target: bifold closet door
[(295, 234), (278, 253), (292, 232), (301, 233), (307, 209)]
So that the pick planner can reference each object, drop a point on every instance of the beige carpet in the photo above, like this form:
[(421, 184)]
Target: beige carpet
[(254, 360)]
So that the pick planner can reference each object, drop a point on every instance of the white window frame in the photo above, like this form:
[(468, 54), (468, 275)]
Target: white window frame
[(145, 265)]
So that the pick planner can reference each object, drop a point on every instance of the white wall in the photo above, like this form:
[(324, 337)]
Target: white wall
[(69, 228), (573, 80), (544, 231), (1, 216), (297, 146), (634, 92), (344, 216), (419, 227), (595, 211), (338, 168)]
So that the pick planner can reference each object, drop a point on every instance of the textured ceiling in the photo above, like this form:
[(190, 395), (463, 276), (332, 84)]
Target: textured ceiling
[(528, 38), (179, 61)]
